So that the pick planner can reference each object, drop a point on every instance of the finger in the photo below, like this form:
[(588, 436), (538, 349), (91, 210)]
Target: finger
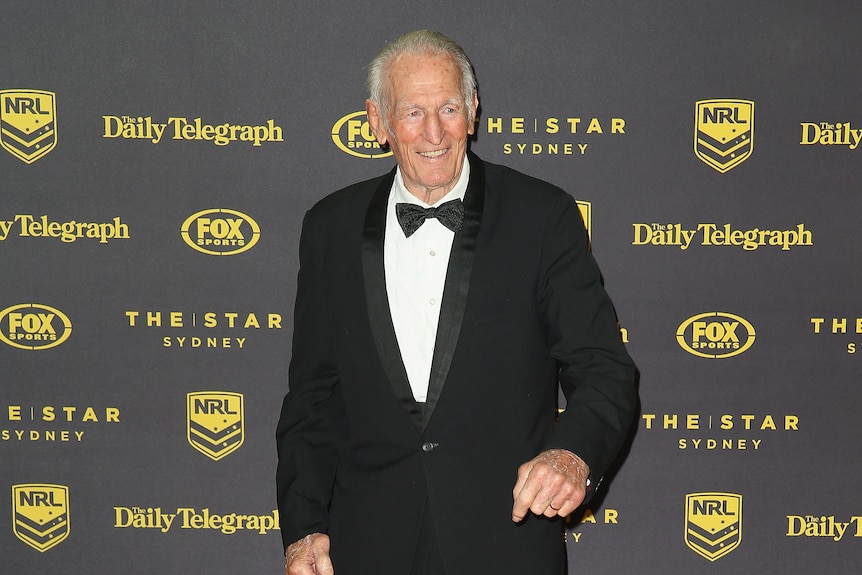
[(520, 506), (568, 508), (300, 566), (555, 492), (556, 503), (543, 502), (296, 568), (550, 486), (567, 500), (322, 561), (524, 499), (301, 556), (523, 473), (299, 560), (550, 512), (323, 566), (538, 491), (553, 511), (564, 493)]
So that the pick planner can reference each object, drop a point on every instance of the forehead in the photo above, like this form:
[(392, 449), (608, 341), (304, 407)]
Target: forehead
[(411, 75)]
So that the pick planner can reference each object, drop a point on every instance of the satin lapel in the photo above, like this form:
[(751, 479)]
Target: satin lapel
[(377, 300), (457, 284)]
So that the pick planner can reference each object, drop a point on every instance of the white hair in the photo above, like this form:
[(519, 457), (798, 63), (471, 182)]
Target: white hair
[(418, 43)]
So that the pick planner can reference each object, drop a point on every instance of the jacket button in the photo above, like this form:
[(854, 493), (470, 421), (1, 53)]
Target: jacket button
[(428, 446)]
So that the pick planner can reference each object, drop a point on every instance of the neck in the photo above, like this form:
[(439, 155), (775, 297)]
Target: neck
[(430, 196)]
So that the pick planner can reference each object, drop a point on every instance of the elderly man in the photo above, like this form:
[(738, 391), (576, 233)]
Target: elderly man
[(439, 308)]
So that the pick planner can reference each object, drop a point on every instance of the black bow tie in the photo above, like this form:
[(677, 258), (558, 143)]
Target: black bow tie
[(411, 216)]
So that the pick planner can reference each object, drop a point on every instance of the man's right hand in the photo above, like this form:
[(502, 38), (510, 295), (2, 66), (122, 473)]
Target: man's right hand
[(309, 556)]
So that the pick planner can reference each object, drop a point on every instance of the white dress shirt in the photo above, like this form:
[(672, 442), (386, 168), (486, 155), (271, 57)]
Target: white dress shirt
[(415, 274)]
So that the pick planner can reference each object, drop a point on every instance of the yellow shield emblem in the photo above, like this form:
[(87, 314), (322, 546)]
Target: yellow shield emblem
[(713, 523), (28, 120), (40, 514), (216, 425), (723, 132), (586, 209)]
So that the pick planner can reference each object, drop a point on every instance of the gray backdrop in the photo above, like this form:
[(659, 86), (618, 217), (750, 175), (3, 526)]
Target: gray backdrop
[(744, 460)]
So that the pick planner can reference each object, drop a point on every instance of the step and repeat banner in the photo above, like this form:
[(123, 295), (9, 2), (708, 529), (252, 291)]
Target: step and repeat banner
[(157, 160)]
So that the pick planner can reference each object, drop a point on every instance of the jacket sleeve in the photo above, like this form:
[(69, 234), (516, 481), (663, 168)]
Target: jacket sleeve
[(596, 373), (310, 429)]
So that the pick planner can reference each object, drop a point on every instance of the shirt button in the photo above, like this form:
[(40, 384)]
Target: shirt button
[(433, 253), (432, 301), (428, 446)]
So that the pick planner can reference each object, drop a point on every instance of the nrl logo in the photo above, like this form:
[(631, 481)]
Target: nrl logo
[(40, 514), (713, 523), (215, 422), (28, 123), (723, 132), (586, 209)]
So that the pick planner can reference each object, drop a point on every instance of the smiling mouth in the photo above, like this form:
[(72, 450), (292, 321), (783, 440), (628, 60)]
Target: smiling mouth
[(434, 154)]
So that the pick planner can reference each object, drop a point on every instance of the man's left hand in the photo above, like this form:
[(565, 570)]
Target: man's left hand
[(554, 483)]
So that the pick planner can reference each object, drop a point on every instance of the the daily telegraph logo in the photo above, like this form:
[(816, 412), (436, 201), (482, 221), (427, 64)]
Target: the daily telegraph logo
[(823, 526), (841, 326), (184, 129), (34, 326), (190, 518), (40, 514), (30, 226), (28, 123), (215, 422), (352, 134), (220, 232), (715, 335), (563, 135), (723, 132), (711, 235), (830, 134), (713, 523)]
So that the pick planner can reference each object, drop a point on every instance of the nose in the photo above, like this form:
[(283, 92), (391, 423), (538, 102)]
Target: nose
[(433, 129)]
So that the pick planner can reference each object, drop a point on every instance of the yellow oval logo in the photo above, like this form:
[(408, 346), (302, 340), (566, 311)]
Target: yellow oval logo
[(352, 134), (715, 335), (220, 232), (34, 326)]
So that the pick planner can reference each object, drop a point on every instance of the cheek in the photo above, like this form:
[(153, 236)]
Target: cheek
[(459, 130), (403, 136)]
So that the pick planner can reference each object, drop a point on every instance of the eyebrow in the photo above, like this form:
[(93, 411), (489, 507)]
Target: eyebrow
[(410, 105)]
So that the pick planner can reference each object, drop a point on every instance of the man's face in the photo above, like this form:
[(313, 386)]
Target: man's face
[(428, 123)]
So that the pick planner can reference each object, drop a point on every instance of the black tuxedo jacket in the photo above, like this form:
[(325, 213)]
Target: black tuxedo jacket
[(523, 311)]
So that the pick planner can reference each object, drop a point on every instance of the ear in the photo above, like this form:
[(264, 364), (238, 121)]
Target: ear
[(471, 129), (375, 122)]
